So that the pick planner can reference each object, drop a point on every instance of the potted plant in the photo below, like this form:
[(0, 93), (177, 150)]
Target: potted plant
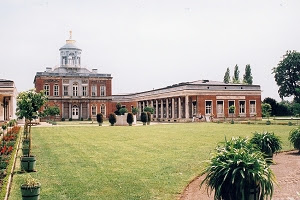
[(122, 111), (4, 126), (144, 118), (112, 119), (268, 143), (28, 105), (129, 118), (30, 189), (238, 171), (294, 138), (134, 110), (100, 119)]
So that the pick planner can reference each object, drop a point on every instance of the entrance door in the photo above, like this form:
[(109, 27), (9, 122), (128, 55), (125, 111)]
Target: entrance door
[(75, 111)]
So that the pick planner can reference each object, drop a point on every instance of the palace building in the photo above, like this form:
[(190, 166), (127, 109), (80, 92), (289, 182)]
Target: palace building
[(81, 94)]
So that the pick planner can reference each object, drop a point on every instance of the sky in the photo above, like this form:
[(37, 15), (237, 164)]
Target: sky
[(149, 44)]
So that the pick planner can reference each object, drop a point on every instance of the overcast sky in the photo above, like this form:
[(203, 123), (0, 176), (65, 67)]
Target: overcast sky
[(148, 44)]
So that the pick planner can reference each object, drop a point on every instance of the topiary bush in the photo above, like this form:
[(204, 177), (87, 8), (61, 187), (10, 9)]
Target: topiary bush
[(134, 110), (294, 138), (144, 118), (70, 119), (112, 118), (63, 119), (130, 118), (100, 119), (148, 118)]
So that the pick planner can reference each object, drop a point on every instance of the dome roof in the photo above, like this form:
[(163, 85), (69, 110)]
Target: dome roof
[(70, 45)]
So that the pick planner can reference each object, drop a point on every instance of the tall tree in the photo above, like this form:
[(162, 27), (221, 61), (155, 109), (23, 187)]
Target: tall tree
[(248, 79), (236, 75), (227, 76), (287, 75)]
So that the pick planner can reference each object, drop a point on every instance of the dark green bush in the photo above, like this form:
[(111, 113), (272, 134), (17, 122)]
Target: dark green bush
[(112, 118), (144, 117), (148, 118), (130, 118), (122, 111), (70, 119), (81, 118), (63, 119), (100, 118)]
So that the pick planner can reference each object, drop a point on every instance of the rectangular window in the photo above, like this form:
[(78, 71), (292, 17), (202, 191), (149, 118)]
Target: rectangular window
[(66, 88), (103, 109), (75, 90), (252, 107), (46, 90), (208, 107), (94, 110), (84, 91), (242, 107), (230, 103), (55, 89), (102, 90), (220, 107), (94, 90)]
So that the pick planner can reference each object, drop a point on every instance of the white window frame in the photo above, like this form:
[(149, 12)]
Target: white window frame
[(102, 90), (94, 91), (84, 90), (231, 105), (66, 90), (210, 108), (252, 109), (218, 107), (56, 90), (47, 89), (103, 109), (75, 90), (94, 113), (242, 108)]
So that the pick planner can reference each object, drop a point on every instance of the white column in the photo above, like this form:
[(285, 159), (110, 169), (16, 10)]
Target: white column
[(161, 108), (143, 106), (156, 109), (80, 110), (151, 104), (167, 108), (187, 107), (173, 108), (88, 110), (179, 107)]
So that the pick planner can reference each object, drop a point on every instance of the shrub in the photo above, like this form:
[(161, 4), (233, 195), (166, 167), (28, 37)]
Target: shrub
[(134, 110), (63, 119), (268, 122), (122, 111), (89, 119), (290, 123), (149, 109), (266, 142), (148, 118), (294, 138), (81, 118), (112, 118), (100, 118), (70, 119), (236, 169), (144, 118), (129, 118)]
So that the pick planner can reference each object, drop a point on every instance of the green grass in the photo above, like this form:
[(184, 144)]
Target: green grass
[(138, 162)]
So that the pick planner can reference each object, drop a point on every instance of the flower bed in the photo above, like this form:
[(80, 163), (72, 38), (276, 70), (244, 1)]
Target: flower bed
[(8, 148)]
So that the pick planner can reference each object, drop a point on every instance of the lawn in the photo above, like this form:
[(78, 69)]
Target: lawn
[(138, 162)]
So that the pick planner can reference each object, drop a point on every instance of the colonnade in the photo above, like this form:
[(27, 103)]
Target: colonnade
[(168, 108)]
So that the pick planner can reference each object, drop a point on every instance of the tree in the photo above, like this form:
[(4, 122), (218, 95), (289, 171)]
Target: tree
[(273, 103), (112, 118), (52, 111), (144, 118), (266, 109), (236, 75), (149, 109), (227, 76), (231, 111), (248, 79), (28, 105), (100, 119), (287, 75), (130, 118)]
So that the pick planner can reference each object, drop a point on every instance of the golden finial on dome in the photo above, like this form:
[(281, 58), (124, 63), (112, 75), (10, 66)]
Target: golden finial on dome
[(70, 35)]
